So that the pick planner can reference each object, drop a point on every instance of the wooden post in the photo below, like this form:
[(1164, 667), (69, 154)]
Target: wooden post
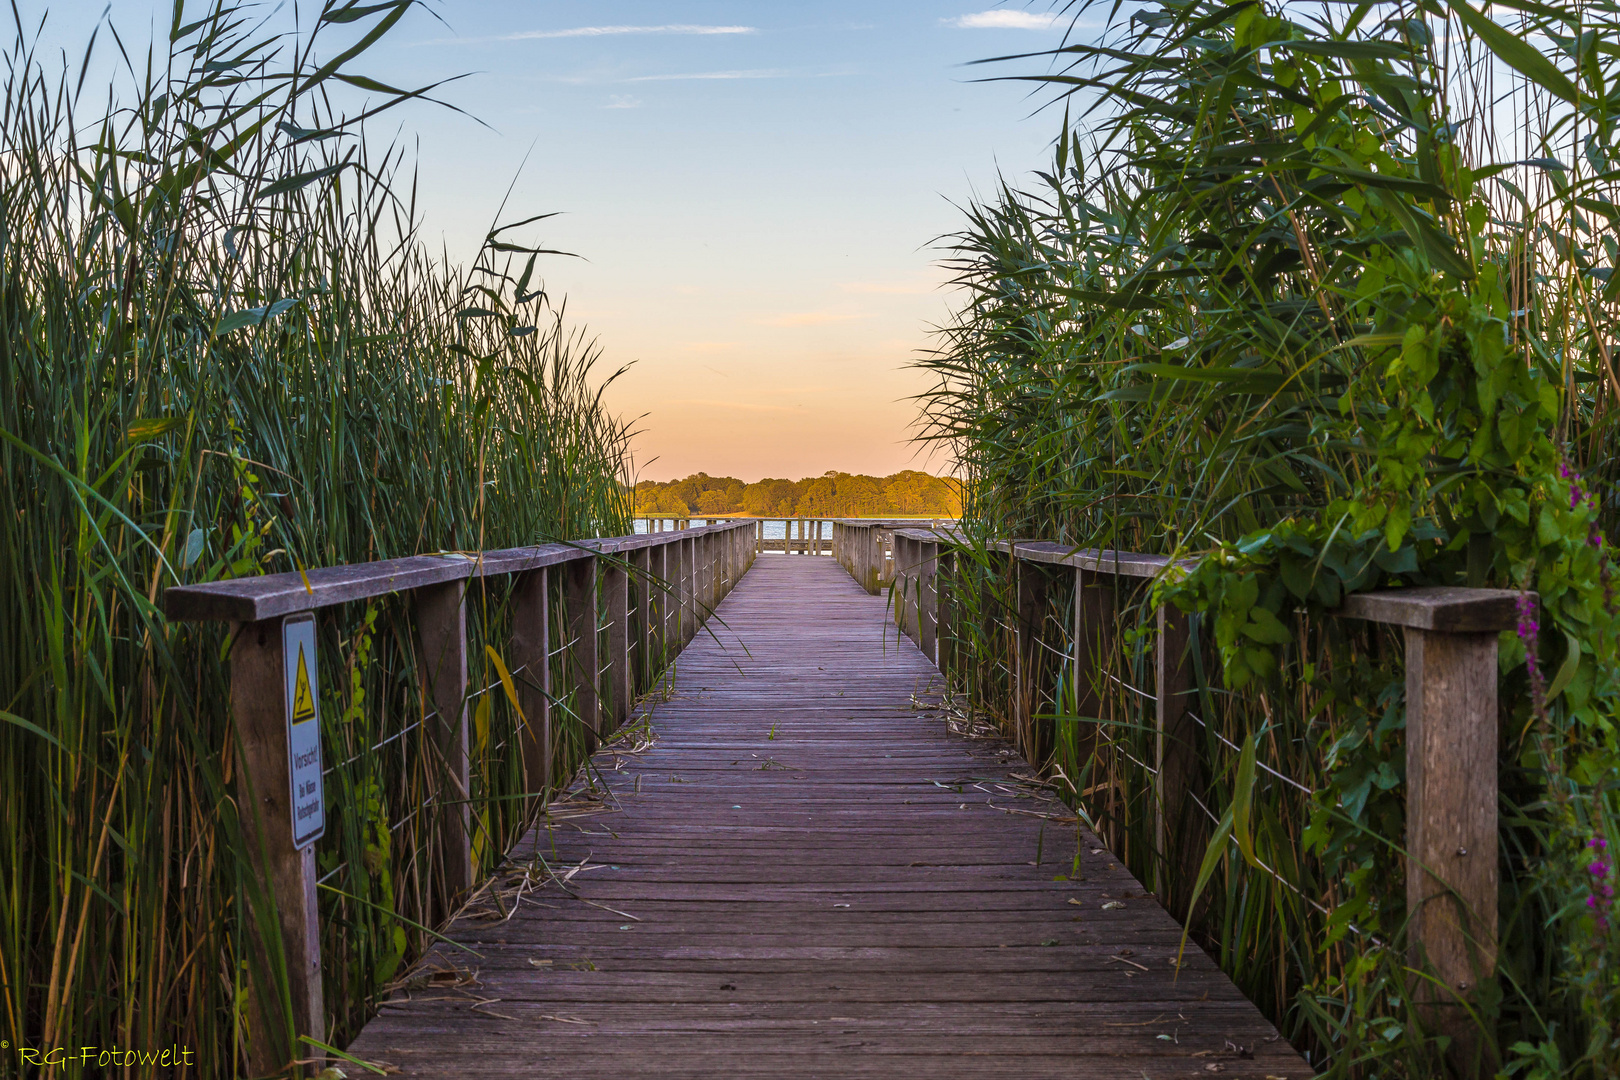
[(874, 556), (928, 601), (264, 798), (641, 624), (658, 609), (617, 685), (579, 603), (1177, 818), (441, 626), (1030, 585), (1451, 830), (674, 552), (947, 610), (531, 668), (703, 582), (689, 604), (1093, 652), (711, 559)]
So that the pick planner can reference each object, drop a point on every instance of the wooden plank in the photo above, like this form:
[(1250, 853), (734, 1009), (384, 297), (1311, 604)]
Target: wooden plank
[(809, 874), (1451, 827), (1180, 825), (928, 600), (1031, 586), (259, 711), (617, 680), (580, 615), (1439, 607), (268, 595), (441, 628), (531, 669), (1094, 650)]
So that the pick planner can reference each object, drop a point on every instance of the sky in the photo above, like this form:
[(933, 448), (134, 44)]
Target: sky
[(754, 190)]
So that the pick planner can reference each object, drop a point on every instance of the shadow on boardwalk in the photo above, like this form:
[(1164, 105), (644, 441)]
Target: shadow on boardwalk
[(806, 875)]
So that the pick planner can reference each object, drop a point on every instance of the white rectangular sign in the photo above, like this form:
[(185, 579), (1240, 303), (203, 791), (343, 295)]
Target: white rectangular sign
[(303, 728)]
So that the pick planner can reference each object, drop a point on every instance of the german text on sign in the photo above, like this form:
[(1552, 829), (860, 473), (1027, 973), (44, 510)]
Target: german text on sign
[(303, 729)]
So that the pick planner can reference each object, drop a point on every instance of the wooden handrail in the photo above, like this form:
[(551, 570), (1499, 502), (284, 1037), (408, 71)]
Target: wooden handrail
[(801, 534), (1451, 723), (683, 575)]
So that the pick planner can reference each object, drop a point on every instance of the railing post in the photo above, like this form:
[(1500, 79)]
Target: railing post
[(1451, 828), (531, 668), (579, 603), (689, 578), (1180, 775), (673, 552), (947, 611), (658, 599), (928, 600), (264, 799), (616, 599), (441, 626), (1093, 649), (1030, 585), (641, 624), (711, 562), (874, 555)]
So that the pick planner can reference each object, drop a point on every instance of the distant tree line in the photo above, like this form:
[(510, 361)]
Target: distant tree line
[(833, 494)]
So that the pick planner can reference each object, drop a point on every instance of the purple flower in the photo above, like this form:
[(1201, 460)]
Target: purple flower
[(1598, 869), (1528, 629)]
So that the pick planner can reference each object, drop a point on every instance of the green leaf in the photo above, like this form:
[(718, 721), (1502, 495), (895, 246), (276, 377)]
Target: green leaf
[(13, 718), (253, 316), (298, 181), (1243, 799), (195, 544), (145, 430), (1266, 628), (1566, 670), (352, 12)]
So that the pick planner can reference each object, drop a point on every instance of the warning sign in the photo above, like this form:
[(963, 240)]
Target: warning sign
[(303, 729), (303, 707)]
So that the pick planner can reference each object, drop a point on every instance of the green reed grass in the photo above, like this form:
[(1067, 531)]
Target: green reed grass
[(1160, 353), (224, 351)]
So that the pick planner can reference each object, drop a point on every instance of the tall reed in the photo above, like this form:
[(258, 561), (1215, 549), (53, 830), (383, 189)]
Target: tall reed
[(224, 351), (1322, 298)]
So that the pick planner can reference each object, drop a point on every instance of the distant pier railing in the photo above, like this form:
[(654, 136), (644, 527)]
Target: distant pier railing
[(1451, 637), (805, 535), (593, 622)]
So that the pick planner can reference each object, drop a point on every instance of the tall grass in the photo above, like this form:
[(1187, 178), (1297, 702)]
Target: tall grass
[(1321, 296), (224, 351)]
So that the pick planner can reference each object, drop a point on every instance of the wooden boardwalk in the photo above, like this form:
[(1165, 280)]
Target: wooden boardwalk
[(808, 874)]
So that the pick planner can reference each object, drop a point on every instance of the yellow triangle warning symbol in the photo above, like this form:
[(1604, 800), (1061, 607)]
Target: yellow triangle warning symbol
[(303, 701)]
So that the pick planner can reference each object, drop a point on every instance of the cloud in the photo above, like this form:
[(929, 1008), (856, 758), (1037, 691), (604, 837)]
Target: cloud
[(741, 406), (622, 101), (755, 73), (889, 288), (598, 31), (710, 346), (811, 318), (1003, 20)]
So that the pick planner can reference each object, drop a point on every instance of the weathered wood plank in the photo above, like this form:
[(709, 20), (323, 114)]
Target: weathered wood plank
[(266, 596), (1451, 609)]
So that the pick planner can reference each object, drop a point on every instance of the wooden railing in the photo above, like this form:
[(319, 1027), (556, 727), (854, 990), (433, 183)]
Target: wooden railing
[(679, 577), (1451, 637), (865, 546), (803, 535)]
